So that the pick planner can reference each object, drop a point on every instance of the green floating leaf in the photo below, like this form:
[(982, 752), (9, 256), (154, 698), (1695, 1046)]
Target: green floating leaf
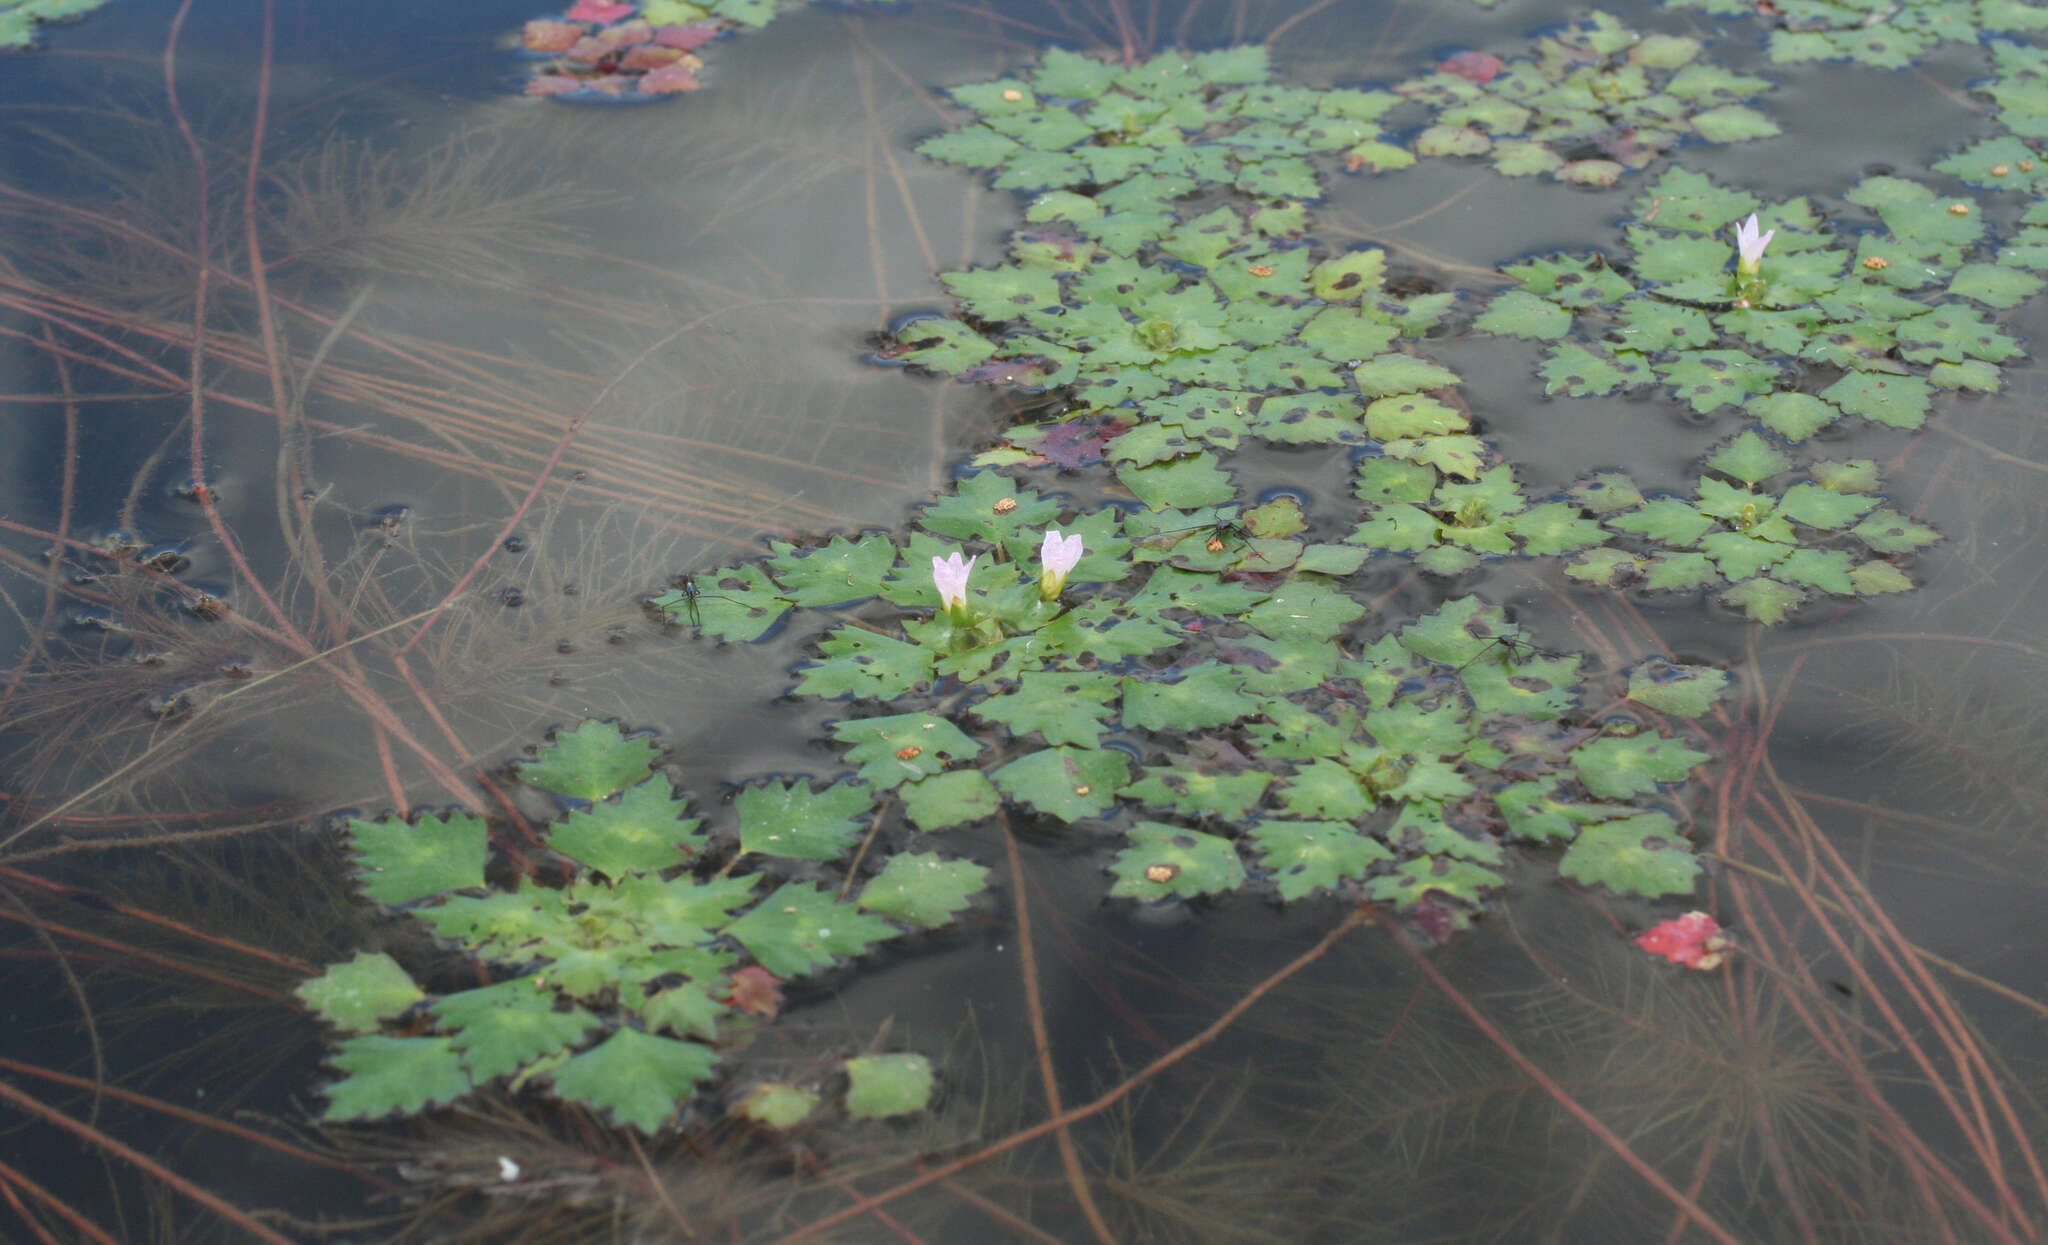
[(904, 747), (1194, 793), (502, 1028), (1689, 201), (1748, 458), (739, 605), (951, 799), (923, 889), (1400, 373), (1165, 861), (1000, 294), (1793, 416), (940, 343), (1457, 632), (1306, 856), (1733, 123), (640, 1078), (835, 574), (1641, 855), (881, 1086), (1899, 401), (687, 1010), (1066, 707), (1577, 371), (1185, 483), (642, 830), (865, 665), (1205, 696), (800, 929), (1352, 275), (1765, 600), (1711, 379), (1067, 783), (778, 1106), (1617, 767), (408, 862), (1824, 508), (1686, 691), (357, 996), (793, 821), (986, 506), (394, 1075), (1889, 532), (1518, 313), (590, 762), (1413, 881)]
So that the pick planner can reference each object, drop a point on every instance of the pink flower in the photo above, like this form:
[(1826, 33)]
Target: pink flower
[(950, 574), (1750, 244), (1058, 555)]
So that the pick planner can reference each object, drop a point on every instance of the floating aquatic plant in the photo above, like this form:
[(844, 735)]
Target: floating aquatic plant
[(1890, 36), (646, 48), (1189, 678), (1593, 84), (1871, 325), (626, 954), (1762, 552)]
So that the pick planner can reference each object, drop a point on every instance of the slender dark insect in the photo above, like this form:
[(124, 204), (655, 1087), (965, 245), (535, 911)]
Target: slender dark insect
[(1513, 649), (686, 586), (1221, 534)]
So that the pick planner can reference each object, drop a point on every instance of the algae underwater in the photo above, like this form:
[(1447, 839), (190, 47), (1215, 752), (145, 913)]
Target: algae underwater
[(1035, 621)]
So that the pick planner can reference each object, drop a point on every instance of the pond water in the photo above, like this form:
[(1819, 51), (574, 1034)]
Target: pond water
[(357, 406)]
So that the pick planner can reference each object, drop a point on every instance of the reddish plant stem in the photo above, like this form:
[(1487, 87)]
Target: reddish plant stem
[(102, 1141), (1586, 1119), (8, 1177), (1121, 1091), (554, 459), (200, 1118), (1027, 956), (148, 957), (165, 923)]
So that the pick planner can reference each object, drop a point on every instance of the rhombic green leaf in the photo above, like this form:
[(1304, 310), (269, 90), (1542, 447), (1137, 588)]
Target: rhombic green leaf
[(407, 862)]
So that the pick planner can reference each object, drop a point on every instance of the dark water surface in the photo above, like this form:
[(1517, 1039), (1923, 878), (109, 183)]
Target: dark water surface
[(468, 270)]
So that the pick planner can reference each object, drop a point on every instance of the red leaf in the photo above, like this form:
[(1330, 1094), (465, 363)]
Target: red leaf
[(1479, 67), (647, 56), (670, 79), (1078, 443), (626, 34), (687, 38), (1695, 940), (551, 36), (756, 991), (598, 11), (588, 51)]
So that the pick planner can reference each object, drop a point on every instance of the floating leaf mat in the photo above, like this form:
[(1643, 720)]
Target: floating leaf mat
[(1203, 689)]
